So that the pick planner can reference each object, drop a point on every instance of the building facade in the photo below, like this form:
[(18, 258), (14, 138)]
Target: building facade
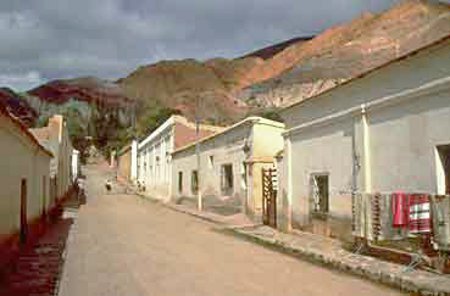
[(154, 161), (228, 164), (25, 180), (385, 131), (55, 137)]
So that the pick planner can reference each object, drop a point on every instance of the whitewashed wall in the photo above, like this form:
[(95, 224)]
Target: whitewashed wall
[(155, 164), (20, 160), (406, 106)]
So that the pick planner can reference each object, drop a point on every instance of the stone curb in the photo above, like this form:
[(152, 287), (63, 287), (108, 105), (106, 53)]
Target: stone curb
[(350, 263), (173, 207), (194, 214)]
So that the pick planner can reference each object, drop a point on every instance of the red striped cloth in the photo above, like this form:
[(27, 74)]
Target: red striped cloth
[(400, 210), (419, 213)]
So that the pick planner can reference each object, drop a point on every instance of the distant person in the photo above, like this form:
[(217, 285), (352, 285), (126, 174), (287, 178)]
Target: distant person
[(81, 191), (108, 185)]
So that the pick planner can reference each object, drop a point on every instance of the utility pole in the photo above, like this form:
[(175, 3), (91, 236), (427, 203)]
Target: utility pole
[(134, 144), (197, 152)]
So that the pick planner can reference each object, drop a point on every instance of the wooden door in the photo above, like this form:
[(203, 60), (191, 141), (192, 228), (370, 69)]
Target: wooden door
[(269, 201), (23, 211)]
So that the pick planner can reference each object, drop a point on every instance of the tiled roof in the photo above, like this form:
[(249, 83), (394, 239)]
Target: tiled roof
[(251, 119)]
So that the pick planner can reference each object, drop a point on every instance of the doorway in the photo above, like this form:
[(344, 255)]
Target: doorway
[(444, 157), (320, 193), (180, 182), (226, 179), (23, 212), (44, 196), (269, 198)]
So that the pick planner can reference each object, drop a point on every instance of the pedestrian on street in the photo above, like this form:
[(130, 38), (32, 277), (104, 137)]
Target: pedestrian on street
[(108, 185)]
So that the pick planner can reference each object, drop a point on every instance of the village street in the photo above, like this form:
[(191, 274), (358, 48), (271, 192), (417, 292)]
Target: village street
[(125, 245)]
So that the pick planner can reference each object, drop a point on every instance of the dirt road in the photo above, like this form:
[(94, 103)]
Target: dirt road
[(124, 245)]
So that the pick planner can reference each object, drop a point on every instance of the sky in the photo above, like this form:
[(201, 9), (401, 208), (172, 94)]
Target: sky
[(57, 39)]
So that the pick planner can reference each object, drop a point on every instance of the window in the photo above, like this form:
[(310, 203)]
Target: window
[(211, 161), (194, 182), (227, 178), (320, 193), (180, 182)]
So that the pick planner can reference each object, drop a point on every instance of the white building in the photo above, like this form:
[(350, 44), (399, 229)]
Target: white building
[(384, 131), (231, 164), (25, 179), (154, 163), (55, 137)]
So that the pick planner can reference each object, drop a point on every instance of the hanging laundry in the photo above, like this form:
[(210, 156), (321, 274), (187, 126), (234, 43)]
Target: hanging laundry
[(419, 214), (387, 231), (440, 214), (400, 210)]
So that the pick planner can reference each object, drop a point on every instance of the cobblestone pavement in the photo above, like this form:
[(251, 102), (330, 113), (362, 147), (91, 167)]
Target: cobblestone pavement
[(126, 245), (39, 265)]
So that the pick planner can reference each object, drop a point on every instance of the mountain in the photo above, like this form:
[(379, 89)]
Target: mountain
[(289, 71), (347, 50), (269, 51), (87, 89), (94, 108), (18, 107), (190, 85)]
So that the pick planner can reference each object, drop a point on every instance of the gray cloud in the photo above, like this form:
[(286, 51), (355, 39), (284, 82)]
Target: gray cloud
[(51, 39)]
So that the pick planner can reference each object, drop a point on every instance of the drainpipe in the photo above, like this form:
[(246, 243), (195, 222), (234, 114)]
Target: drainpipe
[(288, 163), (366, 169), (197, 152), (134, 148), (366, 151)]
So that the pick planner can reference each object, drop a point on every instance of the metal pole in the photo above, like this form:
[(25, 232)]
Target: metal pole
[(197, 152)]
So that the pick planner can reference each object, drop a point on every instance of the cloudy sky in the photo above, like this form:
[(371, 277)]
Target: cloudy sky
[(49, 39)]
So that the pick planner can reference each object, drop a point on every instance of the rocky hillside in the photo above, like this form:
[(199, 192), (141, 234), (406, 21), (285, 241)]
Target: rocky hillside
[(347, 50), (270, 51), (86, 89), (208, 87), (188, 86), (284, 73), (17, 106), (93, 107)]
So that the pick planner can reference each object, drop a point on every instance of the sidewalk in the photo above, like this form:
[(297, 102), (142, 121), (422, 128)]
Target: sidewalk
[(328, 252), (38, 266), (36, 270)]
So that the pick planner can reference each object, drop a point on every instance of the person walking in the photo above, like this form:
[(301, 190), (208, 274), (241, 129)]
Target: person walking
[(108, 185)]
